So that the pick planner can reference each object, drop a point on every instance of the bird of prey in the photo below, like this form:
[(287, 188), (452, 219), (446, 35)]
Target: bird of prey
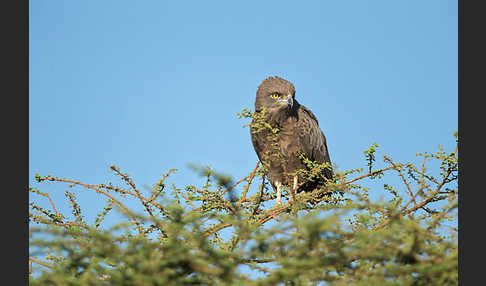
[(284, 132)]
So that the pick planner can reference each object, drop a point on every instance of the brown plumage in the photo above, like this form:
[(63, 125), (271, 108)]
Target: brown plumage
[(298, 131)]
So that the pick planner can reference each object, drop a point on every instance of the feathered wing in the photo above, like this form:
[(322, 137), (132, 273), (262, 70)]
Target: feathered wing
[(312, 139), (302, 134)]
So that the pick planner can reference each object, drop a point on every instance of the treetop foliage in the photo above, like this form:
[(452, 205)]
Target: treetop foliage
[(228, 232)]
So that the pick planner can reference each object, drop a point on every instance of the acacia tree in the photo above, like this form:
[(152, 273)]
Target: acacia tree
[(228, 232)]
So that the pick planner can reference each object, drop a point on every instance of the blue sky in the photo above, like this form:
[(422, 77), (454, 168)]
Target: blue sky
[(154, 85)]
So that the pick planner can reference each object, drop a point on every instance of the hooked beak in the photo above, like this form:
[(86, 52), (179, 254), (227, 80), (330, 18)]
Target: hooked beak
[(290, 101)]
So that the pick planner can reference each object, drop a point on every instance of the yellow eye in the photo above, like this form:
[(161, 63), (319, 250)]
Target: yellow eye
[(275, 95)]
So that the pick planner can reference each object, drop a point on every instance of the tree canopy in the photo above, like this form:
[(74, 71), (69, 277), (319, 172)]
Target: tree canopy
[(228, 232)]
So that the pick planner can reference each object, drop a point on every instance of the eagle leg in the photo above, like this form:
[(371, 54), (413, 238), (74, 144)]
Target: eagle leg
[(279, 193), (294, 189)]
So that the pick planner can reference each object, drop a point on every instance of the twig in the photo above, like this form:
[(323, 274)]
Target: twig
[(364, 176), (217, 228), (234, 185), (400, 174), (99, 191), (257, 267), (75, 206), (187, 199), (273, 213), (243, 197), (137, 194), (41, 263), (48, 197), (404, 212), (52, 204), (258, 260)]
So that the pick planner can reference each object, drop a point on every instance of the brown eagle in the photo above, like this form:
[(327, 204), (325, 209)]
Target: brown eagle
[(283, 131)]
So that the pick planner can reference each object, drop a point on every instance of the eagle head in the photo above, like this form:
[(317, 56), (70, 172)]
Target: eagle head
[(275, 94)]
